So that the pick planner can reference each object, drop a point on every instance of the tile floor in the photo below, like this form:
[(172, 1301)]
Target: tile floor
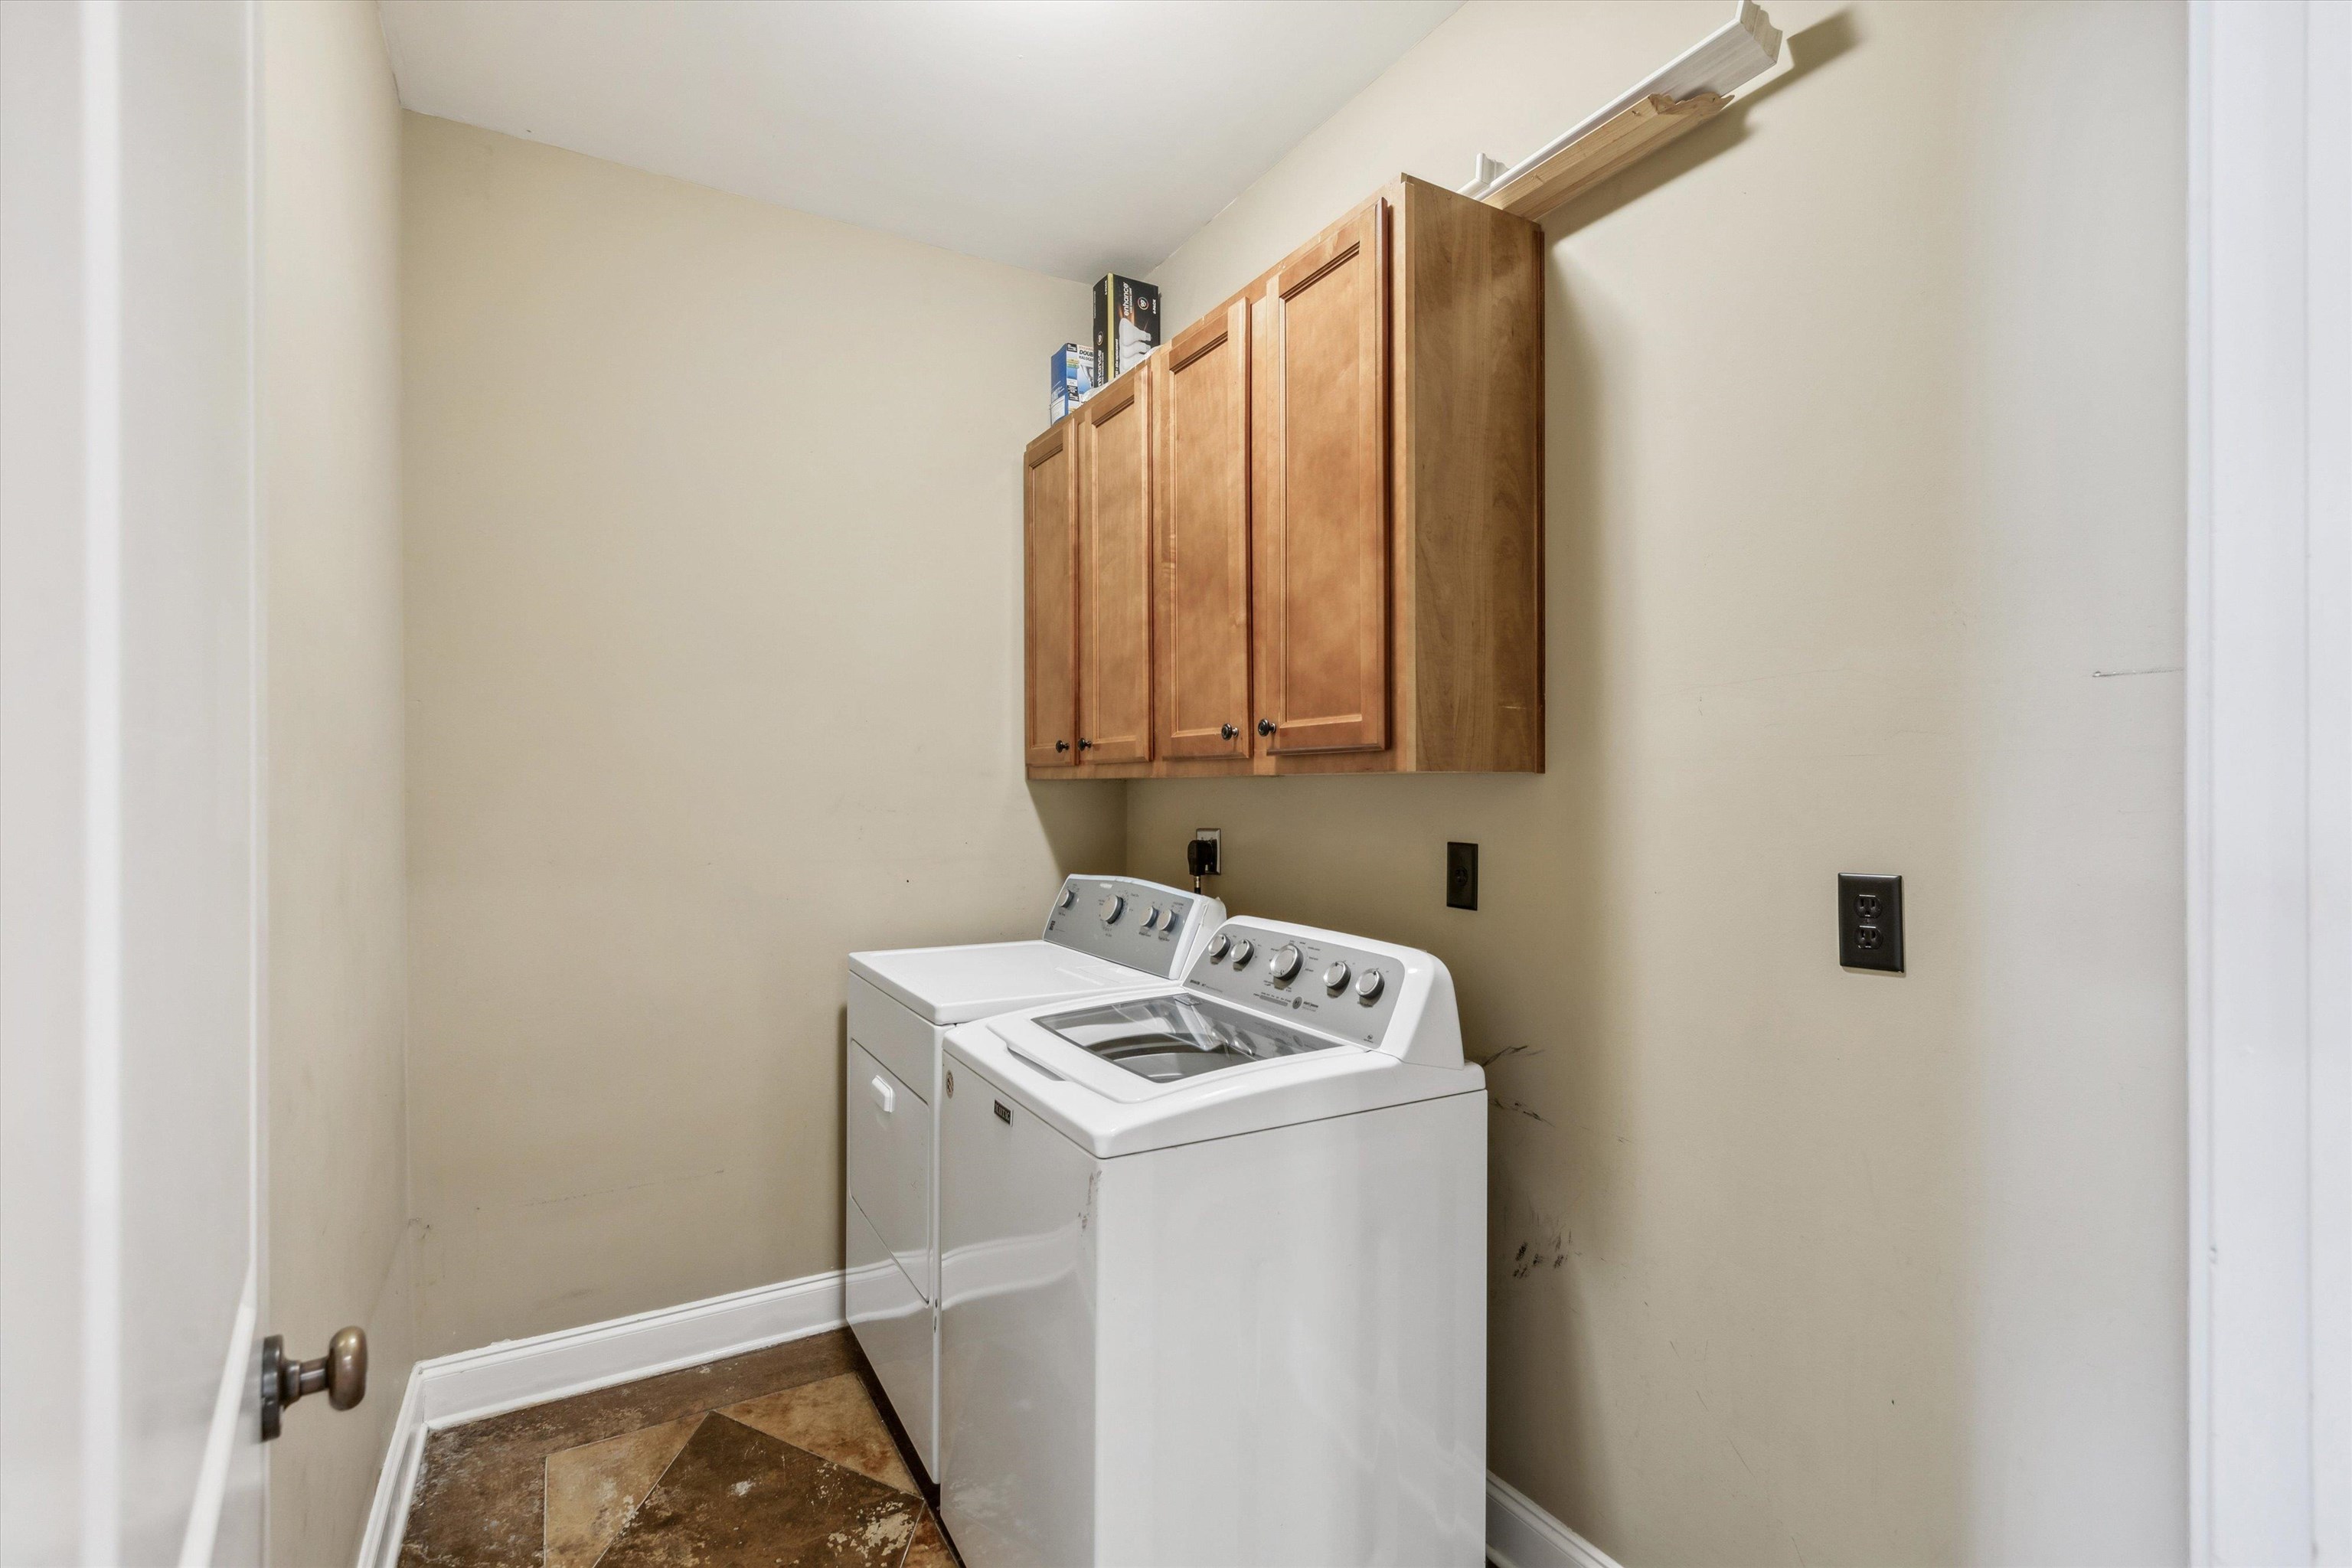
[(775, 1458)]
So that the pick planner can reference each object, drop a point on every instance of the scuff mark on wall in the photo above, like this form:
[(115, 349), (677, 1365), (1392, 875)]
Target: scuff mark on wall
[(1533, 1256), (1505, 1102)]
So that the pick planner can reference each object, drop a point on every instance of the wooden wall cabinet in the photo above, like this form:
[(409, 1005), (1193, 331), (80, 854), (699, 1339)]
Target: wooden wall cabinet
[(1049, 595), (1321, 599), (1202, 383), (1310, 530), (1115, 497)]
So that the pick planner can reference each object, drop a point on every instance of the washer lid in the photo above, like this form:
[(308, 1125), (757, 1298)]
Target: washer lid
[(1176, 1035), (1109, 1109), (951, 984)]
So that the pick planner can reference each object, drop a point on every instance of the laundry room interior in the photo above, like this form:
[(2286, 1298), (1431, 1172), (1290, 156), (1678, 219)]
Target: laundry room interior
[(834, 574)]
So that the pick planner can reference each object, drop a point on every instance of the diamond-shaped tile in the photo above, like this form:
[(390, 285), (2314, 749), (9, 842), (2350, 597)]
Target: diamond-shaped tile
[(832, 1419), (591, 1488), (734, 1498)]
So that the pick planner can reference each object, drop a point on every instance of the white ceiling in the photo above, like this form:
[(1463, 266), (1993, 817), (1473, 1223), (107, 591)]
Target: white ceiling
[(1074, 137)]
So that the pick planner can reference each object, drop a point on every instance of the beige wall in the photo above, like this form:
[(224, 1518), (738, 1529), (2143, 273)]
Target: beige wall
[(1865, 532), (713, 542), (338, 907)]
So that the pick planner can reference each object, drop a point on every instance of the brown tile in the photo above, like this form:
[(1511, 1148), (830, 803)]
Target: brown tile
[(734, 1498), (832, 1419), (931, 1548), (481, 1488), (591, 1488)]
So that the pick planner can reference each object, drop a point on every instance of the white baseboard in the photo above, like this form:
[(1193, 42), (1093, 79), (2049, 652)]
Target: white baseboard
[(471, 1385), (394, 1484), (448, 1389), (1520, 1534)]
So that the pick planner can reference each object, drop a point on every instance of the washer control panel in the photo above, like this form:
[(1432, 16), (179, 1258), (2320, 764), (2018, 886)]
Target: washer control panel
[(1140, 924), (1345, 991)]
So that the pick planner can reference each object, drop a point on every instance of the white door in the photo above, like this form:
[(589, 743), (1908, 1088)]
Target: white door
[(130, 912)]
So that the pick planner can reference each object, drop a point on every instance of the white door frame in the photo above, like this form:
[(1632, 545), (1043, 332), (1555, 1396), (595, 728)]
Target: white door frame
[(2270, 781)]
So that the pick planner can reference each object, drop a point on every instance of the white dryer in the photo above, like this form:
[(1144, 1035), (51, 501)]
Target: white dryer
[(1214, 1268), (1102, 935)]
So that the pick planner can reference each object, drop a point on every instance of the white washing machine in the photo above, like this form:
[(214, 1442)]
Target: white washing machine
[(1103, 934), (1213, 1268)]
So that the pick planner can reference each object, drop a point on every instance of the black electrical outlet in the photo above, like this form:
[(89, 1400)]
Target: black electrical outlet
[(1870, 921), (1461, 875), (1205, 852)]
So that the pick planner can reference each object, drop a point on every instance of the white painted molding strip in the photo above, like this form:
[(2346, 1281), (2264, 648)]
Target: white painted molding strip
[(471, 1385), (1520, 1534)]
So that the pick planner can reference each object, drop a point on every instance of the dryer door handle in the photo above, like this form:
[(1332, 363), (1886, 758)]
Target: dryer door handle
[(885, 1094)]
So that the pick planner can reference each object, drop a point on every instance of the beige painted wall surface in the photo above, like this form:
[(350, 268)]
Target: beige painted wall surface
[(1865, 532), (713, 540), (338, 901)]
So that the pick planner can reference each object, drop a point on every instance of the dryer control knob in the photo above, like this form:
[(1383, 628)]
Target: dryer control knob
[(1217, 946), (1283, 962), (1368, 984), (1069, 896), (1241, 950), (1111, 908), (1335, 979)]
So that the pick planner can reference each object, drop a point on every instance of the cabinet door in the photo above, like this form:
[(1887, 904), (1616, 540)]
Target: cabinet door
[(1049, 506), (1321, 516), (1115, 572), (1204, 508)]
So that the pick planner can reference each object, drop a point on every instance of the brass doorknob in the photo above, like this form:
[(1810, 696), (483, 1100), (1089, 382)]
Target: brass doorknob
[(340, 1374)]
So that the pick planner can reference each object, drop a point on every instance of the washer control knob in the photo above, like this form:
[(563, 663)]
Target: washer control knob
[(1152, 919), (1335, 979), (1283, 962), (1111, 908), (1069, 896), (1217, 946), (1368, 984), (1168, 922), (1241, 950)]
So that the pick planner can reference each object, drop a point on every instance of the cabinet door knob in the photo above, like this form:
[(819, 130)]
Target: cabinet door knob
[(1061, 745), (1229, 731), (1265, 726), (1085, 744)]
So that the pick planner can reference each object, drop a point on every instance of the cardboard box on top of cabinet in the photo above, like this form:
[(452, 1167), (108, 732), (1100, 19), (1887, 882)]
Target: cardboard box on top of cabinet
[(1074, 377), (1127, 325)]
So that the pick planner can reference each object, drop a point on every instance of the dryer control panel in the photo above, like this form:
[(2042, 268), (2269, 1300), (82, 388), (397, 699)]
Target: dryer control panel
[(1351, 992), (1140, 924)]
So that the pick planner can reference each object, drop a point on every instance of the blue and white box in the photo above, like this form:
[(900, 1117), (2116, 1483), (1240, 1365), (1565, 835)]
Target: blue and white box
[(1074, 377)]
